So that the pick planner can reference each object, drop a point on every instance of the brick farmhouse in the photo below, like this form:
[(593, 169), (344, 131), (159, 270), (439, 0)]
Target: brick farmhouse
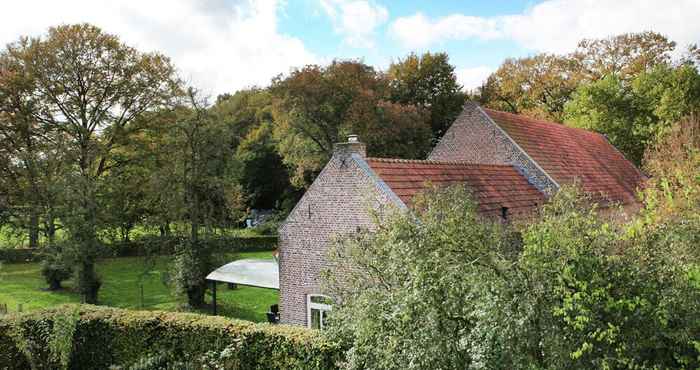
[(511, 163)]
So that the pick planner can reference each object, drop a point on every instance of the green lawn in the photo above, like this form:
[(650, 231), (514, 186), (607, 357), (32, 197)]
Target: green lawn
[(22, 284)]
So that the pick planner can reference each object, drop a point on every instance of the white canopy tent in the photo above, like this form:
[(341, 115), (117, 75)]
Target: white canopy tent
[(252, 272)]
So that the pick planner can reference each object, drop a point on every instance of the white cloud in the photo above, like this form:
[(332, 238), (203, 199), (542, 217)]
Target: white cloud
[(217, 46), (417, 31), (356, 20), (557, 25), (471, 78)]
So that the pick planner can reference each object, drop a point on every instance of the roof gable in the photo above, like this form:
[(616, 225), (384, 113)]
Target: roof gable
[(493, 186), (572, 155)]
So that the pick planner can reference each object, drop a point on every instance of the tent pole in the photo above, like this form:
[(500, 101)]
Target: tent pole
[(213, 295)]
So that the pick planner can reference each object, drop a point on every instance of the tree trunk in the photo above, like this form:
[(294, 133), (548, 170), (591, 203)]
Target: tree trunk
[(33, 228), (50, 227), (55, 285), (195, 295), (88, 283)]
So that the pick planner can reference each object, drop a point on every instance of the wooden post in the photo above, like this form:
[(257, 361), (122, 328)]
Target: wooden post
[(213, 296)]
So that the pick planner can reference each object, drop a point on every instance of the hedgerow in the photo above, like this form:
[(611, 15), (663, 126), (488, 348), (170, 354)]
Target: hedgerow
[(104, 337)]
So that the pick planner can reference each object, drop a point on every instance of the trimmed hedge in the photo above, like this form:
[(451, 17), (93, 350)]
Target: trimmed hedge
[(108, 336), (156, 245), (167, 245), (16, 255)]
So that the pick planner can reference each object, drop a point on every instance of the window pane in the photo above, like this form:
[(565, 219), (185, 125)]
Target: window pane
[(315, 319)]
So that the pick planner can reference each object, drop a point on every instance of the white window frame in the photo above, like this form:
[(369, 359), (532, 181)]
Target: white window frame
[(316, 306)]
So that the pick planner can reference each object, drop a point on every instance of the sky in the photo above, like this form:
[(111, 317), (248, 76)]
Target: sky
[(221, 46)]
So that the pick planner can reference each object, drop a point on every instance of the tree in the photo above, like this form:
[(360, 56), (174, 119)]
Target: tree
[(673, 189), (264, 177), (430, 83), (409, 291), (624, 56), (541, 85), (196, 185), (33, 162), (316, 107), (88, 87), (568, 289), (632, 114), (537, 86)]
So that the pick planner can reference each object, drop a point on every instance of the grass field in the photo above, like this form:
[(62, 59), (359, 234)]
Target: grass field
[(22, 284)]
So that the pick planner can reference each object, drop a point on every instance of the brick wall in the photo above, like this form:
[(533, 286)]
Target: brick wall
[(337, 203), (475, 138)]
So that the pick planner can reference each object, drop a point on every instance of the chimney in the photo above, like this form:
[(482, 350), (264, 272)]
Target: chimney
[(350, 147)]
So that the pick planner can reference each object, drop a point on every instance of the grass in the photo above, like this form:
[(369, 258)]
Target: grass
[(22, 284)]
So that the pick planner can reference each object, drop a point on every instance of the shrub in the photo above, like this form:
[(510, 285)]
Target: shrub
[(55, 268), (574, 291), (105, 337), (17, 255)]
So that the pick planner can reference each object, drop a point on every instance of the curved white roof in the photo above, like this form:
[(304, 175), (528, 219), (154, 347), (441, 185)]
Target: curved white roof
[(252, 272)]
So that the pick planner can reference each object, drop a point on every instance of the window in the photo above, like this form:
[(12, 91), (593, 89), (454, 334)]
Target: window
[(317, 309)]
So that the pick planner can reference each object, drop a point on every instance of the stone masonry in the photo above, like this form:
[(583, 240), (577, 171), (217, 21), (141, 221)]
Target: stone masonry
[(336, 204), (475, 138)]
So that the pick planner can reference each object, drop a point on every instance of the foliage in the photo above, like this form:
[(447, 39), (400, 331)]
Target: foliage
[(264, 177), (85, 86), (55, 267), (14, 255), (408, 297), (575, 291), (673, 190), (541, 85), (192, 263), (614, 302), (317, 106), (634, 113), (121, 338), (428, 81), (247, 114), (537, 86), (201, 172), (624, 56)]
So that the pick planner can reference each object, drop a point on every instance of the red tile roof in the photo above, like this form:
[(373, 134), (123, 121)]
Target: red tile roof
[(570, 154), (494, 186)]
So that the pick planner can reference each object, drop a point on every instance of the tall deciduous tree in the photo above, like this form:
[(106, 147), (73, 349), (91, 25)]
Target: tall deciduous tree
[(32, 159), (317, 106), (89, 87), (429, 82), (624, 56), (193, 182), (541, 85), (537, 86)]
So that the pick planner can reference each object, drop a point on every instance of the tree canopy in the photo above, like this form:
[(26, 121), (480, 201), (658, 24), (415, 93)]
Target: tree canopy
[(318, 106)]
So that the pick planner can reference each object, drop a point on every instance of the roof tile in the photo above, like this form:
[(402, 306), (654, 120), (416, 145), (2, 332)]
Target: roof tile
[(571, 155), (493, 186)]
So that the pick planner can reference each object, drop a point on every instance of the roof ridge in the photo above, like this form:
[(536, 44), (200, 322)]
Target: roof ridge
[(429, 161)]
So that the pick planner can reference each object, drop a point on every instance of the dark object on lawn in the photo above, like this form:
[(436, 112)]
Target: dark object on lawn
[(232, 286), (273, 316)]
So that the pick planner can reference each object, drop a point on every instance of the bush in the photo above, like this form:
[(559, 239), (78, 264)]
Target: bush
[(105, 337), (572, 291), (17, 255), (166, 245), (55, 268)]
